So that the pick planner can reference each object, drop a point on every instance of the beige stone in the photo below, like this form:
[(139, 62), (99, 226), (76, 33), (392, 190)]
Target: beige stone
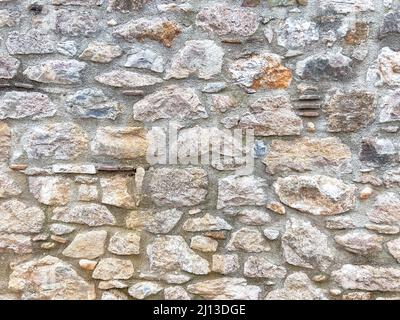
[(113, 269), (88, 245)]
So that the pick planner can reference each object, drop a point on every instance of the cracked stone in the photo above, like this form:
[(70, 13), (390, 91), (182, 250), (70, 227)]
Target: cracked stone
[(225, 263)]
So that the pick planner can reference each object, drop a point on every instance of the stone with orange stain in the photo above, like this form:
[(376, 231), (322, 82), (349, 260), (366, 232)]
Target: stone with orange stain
[(357, 34), (261, 71), (158, 29)]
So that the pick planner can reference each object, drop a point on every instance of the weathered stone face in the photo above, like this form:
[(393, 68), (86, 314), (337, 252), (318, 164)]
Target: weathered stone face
[(318, 195), (388, 67), (8, 67), (31, 42), (158, 29), (61, 141), (171, 253), (160, 222), (297, 286), (177, 187), (92, 103), (307, 155), (88, 245), (270, 116), (120, 143), (202, 58), (368, 278), (236, 191), (225, 289), (127, 79), (349, 111), (224, 20), (171, 102), (331, 66), (56, 71), (67, 284), (188, 149), (89, 214), (18, 105), (101, 52), (261, 71), (75, 23), (306, 246)]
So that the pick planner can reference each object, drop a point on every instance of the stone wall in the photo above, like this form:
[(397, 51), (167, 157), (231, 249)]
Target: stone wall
[(88, 87)]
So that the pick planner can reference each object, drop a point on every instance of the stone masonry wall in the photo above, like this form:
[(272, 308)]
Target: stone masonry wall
[(90, 87)]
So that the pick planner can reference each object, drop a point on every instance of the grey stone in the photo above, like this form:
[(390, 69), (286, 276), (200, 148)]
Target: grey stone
[(31, 42)]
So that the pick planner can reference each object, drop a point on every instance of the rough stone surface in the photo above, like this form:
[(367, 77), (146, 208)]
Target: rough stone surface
[(202, 58), (31, 42), (349, 111), (306, 246), (224, 20), (261, 71), (158, 29), (172, 253), (49, 278), (120, 143), (88, 245), (15, 216), (242, 149), (56, 71), (172, 102), (178, 187), (225, 289), (236, 191), (113, 269), (307, 155), (360, 242), (297, 286), (159, 222), (270, 116), (8, 67), (90, 214), (368, 278), (318, 195)]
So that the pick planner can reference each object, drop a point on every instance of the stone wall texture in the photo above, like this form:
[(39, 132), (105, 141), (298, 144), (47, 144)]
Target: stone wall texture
[(86, 86)]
